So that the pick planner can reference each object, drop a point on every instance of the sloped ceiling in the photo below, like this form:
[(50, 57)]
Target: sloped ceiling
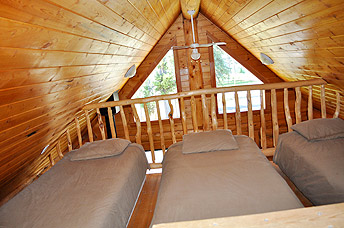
[(58, 55), (305, 38)]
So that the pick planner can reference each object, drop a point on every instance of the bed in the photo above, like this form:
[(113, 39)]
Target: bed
[(235, 181), (312, 156), (88, 189)]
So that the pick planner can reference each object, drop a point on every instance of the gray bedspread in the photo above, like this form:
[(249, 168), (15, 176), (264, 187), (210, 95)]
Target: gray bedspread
[(92, 193), (316, 168), (220, 184)]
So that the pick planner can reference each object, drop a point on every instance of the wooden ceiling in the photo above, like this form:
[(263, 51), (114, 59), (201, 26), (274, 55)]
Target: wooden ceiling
[(305, 38), (58, 55)]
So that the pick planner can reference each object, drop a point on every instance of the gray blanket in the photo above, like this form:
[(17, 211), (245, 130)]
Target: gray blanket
[(220, 184), (92, 193), (316, 168)]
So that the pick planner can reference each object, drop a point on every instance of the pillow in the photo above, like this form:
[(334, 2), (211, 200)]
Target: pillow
[(100, 149), (209, 141), (320, 129)]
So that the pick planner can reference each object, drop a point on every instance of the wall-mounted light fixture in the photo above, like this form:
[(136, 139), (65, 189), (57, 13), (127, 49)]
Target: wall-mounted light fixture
[(131, 72), (266, 59)]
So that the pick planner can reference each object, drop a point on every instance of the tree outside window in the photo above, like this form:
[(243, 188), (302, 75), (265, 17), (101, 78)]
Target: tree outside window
[(161, 81), (228, 72)]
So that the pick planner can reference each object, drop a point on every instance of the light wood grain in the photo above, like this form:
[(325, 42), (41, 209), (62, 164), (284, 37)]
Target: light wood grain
[(138, 124), (183, 115), (89, 127), (237, 114), (298, 105), (124, 122), (323, 104), (69, 140), (262, 120), (170, 117), (149, 131), (112, 124), (320, 216), (287, 110), (250, 115), (161, 129), (225, 121), (78, 130), (101, 124), (310, 102), (206, 121), (336, 113), (213, 112), (194, 114), (274, 117)]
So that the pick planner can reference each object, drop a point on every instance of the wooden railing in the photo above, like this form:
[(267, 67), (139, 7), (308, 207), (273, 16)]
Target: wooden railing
[(209, 114)]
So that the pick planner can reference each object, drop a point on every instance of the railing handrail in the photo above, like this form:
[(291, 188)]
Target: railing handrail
[(278, 85)]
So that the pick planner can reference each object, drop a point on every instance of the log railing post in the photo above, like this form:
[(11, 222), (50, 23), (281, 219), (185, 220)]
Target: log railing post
[(275, 126), (112, 124), (310, 102), (194, 114), (298, 105), (51, 159), (287, 110), (101, 124), (224, 105), (262, 121), (138, 124), (78, 131), (58, 149), (89, 126), (149, 131), (170, 116), (124, 122), (69, 141), (237, 114), (336, 113), (183, 115), (161, 129), (213, 112), (323, 104), (205, 113), (250, 115)]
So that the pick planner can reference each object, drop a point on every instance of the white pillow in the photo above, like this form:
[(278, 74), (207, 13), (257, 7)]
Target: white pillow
[(100, 149), (209, 141)]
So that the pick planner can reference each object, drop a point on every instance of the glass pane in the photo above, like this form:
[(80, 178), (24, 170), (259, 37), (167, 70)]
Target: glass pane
[(229, 72), (161, 81)]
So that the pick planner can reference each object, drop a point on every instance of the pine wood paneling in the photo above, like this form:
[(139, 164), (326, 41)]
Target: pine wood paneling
[(55, 57), (303, 37)]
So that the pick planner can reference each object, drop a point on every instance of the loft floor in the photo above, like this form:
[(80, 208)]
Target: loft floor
[(144, 209)]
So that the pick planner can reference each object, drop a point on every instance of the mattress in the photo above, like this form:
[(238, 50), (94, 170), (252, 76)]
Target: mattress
[(91, 193), (316, 168), (220, 184)]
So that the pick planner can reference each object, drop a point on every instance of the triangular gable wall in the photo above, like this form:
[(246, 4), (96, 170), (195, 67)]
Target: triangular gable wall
[(207, 32)]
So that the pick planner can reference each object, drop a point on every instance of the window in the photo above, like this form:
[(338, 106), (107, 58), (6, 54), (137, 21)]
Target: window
[(228, 72), (161, 81)]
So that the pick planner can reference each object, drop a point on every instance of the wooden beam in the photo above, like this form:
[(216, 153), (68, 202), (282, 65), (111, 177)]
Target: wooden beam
[(190, 5)]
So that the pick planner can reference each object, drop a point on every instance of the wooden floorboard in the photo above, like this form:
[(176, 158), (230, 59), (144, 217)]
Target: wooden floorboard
[(143, 212), (144, 209)]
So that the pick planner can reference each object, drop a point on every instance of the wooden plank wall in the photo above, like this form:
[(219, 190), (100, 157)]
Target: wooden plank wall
[(303, 37), (55, 57)]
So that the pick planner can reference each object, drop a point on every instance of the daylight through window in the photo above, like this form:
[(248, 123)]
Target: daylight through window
[(161, 81), (229, 72)]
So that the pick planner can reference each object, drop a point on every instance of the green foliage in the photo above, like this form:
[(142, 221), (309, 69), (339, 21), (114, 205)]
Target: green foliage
[(229, 72), (161, 81)]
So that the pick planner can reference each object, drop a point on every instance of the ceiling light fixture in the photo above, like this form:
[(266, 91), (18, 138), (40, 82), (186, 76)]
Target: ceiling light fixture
[(266, 59), (131, 72)]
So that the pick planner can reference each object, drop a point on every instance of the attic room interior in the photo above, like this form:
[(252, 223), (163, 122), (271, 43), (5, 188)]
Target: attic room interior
[(171, 113)]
